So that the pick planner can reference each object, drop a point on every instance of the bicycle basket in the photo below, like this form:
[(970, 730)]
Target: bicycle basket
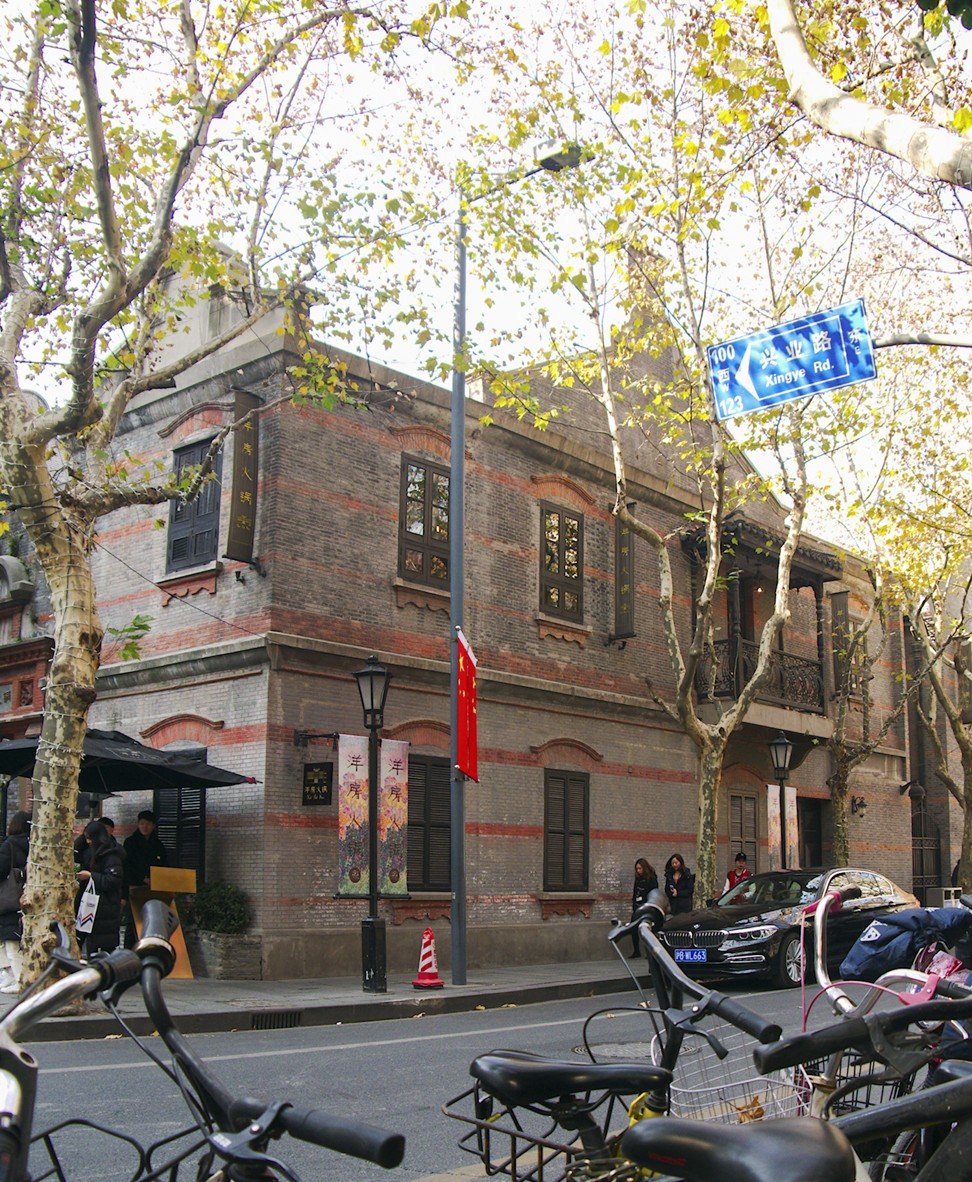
[(730, 1090), (856, 1086), (530, 1146)]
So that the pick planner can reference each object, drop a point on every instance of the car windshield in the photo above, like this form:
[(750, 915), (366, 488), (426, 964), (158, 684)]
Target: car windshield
[(785, 890)]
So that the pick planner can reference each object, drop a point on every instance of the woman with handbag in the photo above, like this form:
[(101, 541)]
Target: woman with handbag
[(102, 866), (13, 874)]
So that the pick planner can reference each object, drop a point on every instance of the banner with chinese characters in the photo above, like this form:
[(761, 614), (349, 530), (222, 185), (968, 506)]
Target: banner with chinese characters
[(393, 818), (352, 765), (246, 470)]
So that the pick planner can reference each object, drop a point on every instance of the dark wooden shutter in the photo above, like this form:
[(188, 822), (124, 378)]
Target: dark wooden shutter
[(429, 824), (565, 849), (180, 822), (743, 832), (194, 527), (839, 637)]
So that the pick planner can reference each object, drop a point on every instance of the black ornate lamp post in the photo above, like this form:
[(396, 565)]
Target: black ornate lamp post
[(781, 752), (373, 687)]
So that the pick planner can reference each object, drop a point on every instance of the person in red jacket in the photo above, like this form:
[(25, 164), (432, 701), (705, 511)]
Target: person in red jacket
[(737, 873)]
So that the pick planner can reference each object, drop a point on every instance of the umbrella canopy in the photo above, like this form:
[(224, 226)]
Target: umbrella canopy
[(114, 762)]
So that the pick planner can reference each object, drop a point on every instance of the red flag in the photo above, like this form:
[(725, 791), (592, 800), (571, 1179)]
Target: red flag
[(466, 741)]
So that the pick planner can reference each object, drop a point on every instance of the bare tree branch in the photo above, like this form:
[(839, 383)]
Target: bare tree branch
[(933, 152)]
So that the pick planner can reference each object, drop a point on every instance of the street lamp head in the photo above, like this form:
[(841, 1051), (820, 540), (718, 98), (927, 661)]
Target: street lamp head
[(373, 682), (556, 155), (781, 752)]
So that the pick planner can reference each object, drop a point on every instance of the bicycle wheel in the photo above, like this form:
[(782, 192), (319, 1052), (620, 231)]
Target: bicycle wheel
[(900, 1163)]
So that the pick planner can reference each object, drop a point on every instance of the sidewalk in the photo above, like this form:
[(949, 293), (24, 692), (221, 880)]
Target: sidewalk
[(205, 1006)]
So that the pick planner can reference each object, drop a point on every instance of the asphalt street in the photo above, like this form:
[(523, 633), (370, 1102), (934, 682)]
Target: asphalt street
[(395, 1074)]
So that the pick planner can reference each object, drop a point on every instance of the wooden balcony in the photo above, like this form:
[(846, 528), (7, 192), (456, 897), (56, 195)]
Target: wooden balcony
[(794, 682)]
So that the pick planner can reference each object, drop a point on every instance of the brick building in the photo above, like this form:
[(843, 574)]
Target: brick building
[(581, 773)]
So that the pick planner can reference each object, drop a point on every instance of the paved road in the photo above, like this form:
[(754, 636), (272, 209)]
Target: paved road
[(395, 1074)]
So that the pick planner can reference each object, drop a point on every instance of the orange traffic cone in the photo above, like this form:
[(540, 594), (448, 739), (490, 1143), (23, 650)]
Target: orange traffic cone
[(428, 974)]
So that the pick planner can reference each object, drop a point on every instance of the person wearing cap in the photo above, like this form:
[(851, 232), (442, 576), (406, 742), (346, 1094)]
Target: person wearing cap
[(739, 871)]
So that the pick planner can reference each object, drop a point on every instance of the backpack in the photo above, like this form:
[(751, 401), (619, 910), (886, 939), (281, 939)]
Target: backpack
[(893, 941)]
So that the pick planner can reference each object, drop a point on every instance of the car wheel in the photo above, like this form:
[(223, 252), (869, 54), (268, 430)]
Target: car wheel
[(788, 962)]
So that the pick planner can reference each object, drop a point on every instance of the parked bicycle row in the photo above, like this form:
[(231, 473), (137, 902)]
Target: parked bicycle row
[(882, 1092)]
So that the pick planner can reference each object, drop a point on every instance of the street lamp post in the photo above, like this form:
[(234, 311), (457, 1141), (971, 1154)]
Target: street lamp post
[(373, 687), (781, 752), (552, 157)]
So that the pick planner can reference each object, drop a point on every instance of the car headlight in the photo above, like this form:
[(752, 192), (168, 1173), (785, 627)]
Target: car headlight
[(750, 935)]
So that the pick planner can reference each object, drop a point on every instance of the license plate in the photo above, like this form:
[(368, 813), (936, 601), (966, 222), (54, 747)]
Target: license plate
[(693, 955)]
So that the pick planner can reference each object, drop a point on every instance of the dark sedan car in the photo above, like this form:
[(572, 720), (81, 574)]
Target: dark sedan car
[(754, 928)]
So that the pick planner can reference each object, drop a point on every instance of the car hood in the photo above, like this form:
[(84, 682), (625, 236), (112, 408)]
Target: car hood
[(735, 916)]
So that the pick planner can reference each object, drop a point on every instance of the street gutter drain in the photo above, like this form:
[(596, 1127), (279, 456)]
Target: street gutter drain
[(275, 1020)]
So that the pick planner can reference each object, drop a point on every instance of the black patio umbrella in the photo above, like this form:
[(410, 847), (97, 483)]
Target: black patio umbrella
[(114, 762)]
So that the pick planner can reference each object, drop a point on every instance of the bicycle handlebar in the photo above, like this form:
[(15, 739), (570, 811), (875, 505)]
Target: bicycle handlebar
[(728, 1008), (150, 961), (856, 1033), (345, 1136), (736, 1014)]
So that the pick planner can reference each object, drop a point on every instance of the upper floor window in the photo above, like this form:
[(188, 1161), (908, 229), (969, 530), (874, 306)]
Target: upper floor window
[(561, 563), (423, 529), (194, 526)]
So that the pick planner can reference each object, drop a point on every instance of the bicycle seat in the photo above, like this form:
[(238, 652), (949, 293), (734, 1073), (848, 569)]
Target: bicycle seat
[(792, 1149), (520, 1077)]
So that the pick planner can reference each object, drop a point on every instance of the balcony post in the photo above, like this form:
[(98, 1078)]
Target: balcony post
[(735, 633), (821, 648)]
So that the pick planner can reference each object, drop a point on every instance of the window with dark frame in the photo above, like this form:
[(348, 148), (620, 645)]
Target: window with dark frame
[(566, 840), (429, 824), (194, 526), (561, 563), (423, 523)]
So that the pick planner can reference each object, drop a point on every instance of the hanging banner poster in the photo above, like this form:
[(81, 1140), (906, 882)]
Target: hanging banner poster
[(352, 765), (393, 818), (467, 742)]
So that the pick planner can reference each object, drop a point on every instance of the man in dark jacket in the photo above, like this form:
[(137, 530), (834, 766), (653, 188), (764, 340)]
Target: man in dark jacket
[(143, 850)]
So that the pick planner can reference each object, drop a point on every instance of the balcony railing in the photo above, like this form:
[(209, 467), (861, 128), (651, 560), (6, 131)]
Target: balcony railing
[(796, 682)]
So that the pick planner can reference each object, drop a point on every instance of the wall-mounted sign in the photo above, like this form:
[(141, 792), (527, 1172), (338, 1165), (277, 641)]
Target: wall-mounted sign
[(623, 581), (246, 470), (318, 782)]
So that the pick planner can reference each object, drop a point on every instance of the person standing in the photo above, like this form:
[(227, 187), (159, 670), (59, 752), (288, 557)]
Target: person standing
[(143, 849), (645, 881), (739, 871), (13, 855), (102, 863), (679, 885)]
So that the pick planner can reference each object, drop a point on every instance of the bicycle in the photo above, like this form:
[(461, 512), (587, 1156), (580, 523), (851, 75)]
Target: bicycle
[(534, 1117), (231, 1135), (806, 1149)]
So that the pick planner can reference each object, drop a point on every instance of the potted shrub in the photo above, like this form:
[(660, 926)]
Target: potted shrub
[(222, 915)]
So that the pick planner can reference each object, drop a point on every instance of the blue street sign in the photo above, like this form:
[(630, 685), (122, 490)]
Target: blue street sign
[(794, 360)]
